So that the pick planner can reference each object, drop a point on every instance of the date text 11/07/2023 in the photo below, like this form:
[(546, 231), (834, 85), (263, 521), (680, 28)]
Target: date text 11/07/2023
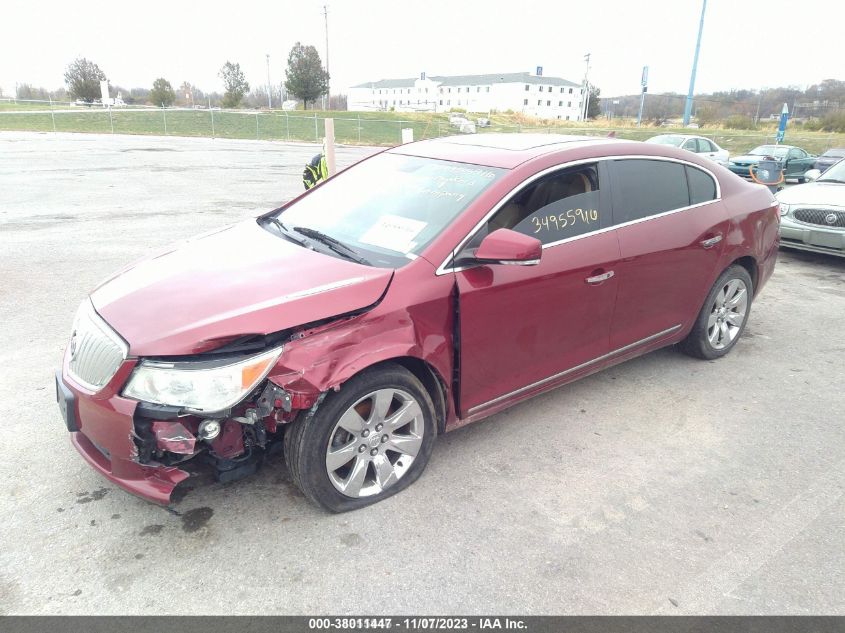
[(418, 623), (558, 221)]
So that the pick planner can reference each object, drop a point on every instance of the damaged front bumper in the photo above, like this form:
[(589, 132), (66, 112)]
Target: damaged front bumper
[(102, 429), (140, 447)]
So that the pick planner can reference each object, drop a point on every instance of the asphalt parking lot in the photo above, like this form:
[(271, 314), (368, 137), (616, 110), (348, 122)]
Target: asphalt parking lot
[(664, 485)]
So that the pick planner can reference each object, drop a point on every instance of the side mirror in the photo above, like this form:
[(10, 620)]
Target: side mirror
[(504, 246), (812, 174)]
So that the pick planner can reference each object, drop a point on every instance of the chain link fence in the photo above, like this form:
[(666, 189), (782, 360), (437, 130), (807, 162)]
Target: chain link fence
[(350, 127)]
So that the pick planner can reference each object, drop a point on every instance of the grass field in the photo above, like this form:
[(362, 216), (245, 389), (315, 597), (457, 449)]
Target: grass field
[(367, 128)]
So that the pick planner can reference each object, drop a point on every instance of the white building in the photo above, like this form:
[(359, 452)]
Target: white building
[(534, 95)]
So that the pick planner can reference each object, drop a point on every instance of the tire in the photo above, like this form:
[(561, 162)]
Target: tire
[(801, 181), (723, 316), (348, 455)]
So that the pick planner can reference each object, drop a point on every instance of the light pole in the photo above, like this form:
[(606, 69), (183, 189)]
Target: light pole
[(688, 108), (269, 86), (586, 89), (644, 86), (328, 80)]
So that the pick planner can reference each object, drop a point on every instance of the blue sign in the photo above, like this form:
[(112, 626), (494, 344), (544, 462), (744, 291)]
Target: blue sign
[(784, 116), (539, 71)]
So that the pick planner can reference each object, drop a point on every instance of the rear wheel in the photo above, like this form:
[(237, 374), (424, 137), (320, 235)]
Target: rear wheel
[(365, 443), (723, 316)]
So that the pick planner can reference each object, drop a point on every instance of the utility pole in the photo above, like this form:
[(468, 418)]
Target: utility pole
[(759, 102), (644, 87), (586, 88), (688, 107), (269, 86), (328, 89)]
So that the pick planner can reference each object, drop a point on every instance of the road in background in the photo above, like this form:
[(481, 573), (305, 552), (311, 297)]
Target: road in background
[(663, 485)]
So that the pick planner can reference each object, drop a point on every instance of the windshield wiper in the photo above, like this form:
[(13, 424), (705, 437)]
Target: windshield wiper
[(336, 245), (841, 182), (286, 232)]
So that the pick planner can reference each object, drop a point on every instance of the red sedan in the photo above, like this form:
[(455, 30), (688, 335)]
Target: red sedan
[(425, 288)]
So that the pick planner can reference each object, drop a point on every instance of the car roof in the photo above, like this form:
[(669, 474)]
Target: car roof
[(497, 149)]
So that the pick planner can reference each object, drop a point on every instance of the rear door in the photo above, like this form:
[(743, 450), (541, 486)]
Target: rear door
[(671, 227), (522, 326), (707, 148)]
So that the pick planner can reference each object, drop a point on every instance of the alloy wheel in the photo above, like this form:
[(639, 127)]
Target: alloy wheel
[(727, 314), (374, 442)]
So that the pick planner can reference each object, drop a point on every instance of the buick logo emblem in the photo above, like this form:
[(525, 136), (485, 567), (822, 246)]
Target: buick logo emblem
[(830, 218), (73, 345)]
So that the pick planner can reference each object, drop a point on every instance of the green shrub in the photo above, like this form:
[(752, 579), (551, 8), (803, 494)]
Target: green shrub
[(833, 122), (739, 122), (812, 125)]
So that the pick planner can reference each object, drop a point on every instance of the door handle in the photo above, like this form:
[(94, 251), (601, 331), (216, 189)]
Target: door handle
[(711, 242), (597, 279)]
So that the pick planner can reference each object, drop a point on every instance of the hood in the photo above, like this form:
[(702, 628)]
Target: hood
[(237, 281), (814, 193)]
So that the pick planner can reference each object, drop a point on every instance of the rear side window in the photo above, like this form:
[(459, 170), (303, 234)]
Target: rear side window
[(702, 188), (642, 188)]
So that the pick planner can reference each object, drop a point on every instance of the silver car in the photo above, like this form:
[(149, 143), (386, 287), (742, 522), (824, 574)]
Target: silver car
[(813, 215), (696, 144)]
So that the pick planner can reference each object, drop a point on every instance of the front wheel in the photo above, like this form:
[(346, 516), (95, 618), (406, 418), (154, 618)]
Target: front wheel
[(364, 443), (723, 317)]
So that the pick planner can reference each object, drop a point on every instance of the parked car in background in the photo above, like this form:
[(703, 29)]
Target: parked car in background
[(829, 158), (422, 289), (794, 161), (813, 215), (464, 125), (696, 144)]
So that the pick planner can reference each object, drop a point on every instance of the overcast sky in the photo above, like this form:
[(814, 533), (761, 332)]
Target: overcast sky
[(746, 43)]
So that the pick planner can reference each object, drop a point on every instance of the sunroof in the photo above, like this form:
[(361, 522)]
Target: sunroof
[(516, 142)]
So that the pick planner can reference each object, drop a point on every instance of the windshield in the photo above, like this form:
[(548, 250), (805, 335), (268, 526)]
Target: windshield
[(389, 208), (667, 139), (778, 151), (835, 173), (834, 153)]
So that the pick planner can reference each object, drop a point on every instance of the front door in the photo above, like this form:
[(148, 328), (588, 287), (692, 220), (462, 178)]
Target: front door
[(521, 327), (797, 162)]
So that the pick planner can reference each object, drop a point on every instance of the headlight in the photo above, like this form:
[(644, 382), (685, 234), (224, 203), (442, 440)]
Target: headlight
[(784, 208), (212, 385)]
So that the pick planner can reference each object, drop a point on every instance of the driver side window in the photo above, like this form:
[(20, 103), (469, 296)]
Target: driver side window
[(556, 207)]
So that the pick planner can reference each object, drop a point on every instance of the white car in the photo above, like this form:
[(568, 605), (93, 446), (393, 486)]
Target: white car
[(812, 216), (696, 144)]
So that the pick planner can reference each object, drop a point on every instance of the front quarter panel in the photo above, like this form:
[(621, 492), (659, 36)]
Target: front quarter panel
[(414, 320)]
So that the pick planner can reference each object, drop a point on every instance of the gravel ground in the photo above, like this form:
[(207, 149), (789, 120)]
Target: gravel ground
[(663, 485)]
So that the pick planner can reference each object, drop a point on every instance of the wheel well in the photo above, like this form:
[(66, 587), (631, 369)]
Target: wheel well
[(749, 264), (432, 382)]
